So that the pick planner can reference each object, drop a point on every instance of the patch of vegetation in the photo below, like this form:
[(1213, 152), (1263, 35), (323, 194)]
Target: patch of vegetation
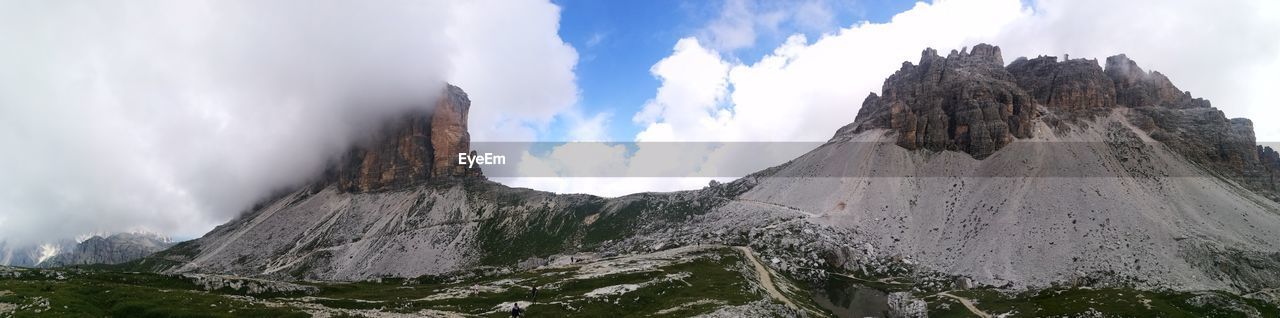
[(1119, 302), (114, 294), (543, 232)]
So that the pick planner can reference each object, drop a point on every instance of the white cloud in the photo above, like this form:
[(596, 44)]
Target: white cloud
[(513, 64), (740, 23), (804, 91), (693, 89), (588, 128), (1227, 52), (173, 116), (596, 39)]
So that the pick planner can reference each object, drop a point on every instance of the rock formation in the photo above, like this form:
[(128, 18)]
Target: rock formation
[(411, 149), (1137, 88), (970, 102), (247, 286), (1070, 85), (966, 101), (1192, 127)]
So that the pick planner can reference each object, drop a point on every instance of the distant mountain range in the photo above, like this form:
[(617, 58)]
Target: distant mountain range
[(97, 249)]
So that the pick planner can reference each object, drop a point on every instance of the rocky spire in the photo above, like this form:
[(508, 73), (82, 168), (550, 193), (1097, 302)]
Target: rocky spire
[(420, 146)]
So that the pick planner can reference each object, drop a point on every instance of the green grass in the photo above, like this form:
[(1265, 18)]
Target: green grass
[(711, 279), (715, 278), (1115, 302), (110, 294)]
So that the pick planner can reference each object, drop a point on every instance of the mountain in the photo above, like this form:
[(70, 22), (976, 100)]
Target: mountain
[(1114, 175), (112, 249), (963, 173), (30, 255)]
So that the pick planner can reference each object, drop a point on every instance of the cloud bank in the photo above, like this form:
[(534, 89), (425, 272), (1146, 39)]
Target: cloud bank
[(174, 116)]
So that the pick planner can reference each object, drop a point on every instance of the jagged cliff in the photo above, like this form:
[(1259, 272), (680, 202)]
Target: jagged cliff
[(971, 102), (966, 101), (409, 150)]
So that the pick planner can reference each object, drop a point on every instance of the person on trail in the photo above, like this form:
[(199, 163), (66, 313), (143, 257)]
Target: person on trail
[(516, 311), (533, 294)]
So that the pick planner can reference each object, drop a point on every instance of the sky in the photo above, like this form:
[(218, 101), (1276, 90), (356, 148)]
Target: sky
[(175, 116)]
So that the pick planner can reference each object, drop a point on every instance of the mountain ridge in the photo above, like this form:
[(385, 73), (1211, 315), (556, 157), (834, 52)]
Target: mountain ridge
[(966, 113)]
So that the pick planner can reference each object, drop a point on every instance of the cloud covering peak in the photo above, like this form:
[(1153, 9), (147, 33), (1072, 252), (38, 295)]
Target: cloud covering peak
[(173, 116)]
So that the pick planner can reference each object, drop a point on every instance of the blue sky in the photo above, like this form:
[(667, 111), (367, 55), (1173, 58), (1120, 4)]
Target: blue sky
[(619, 41)]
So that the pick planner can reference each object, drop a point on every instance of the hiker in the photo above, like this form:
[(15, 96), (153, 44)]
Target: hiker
[(516, 311), (533, 294)]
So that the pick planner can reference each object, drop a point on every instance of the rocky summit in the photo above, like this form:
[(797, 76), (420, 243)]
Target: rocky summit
[(1043, 187), (966, 101), (409, 150)]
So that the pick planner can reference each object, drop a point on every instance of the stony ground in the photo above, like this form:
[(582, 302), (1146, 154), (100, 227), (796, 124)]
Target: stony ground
[(680, 282), (695, 280)]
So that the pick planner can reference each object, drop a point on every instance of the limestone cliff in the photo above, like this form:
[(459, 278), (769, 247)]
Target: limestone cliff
[(971, 102), (409, 150), (966, 101)]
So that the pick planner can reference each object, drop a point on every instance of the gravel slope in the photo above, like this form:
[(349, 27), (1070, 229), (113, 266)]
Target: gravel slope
[(1060, 207)]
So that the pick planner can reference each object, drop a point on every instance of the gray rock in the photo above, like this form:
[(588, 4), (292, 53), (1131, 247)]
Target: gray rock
[(247, 286), (904, 305), (965, 101)]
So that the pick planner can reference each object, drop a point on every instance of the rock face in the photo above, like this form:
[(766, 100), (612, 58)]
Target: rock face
[(449, 135), (966, 101), (114, 249), (904, 305), (410, 150), (970, 102), (1192, 127), (1071, 85)]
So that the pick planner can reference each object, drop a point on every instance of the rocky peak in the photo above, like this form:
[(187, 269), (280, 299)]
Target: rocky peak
[(408, 150), (981, 53), (966, 101), (1137, 88)]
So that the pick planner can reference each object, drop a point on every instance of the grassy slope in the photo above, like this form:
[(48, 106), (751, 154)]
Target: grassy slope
[(113, 294), (713, 275)]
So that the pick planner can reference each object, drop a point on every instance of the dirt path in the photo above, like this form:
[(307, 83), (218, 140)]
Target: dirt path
[(775, 205), (967, 304), (766, 280), (886, 280)]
